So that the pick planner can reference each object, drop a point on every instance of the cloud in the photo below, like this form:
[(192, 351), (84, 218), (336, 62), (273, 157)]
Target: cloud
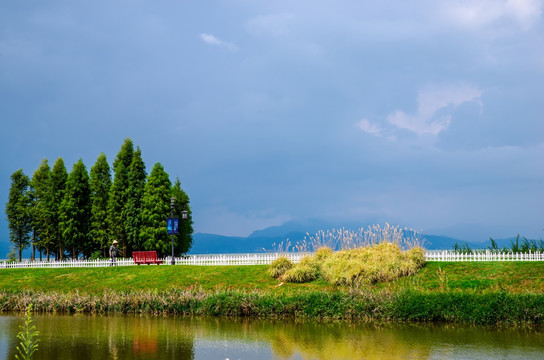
[(212, 40), (476, 14), (434, 111), (367, 127)]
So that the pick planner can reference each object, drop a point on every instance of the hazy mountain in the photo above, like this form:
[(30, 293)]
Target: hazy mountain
[(478, 233), (310, 226), (217, 244), (275, 237)]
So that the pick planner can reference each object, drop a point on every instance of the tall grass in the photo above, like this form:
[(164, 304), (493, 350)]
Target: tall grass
[(306, 270), (518, 245), (279, 266), (342, 239), (383, 262), (353, 267), (407, 305)]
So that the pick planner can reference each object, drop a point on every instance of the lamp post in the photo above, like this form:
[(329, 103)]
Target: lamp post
[(174, 224)]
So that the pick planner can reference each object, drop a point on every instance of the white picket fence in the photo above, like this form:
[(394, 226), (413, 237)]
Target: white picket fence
[(482, 255), (267, 258), (200, 260)]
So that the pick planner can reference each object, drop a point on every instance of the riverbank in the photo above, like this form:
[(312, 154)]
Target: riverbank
[(480, 293)]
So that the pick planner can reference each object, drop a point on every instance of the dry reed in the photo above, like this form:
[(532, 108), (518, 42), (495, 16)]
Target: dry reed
[(342, 239)]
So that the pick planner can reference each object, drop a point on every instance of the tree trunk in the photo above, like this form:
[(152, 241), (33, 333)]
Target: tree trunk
[(33, 257)]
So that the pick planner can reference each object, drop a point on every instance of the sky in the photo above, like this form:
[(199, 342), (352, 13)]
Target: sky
[(424, 114)]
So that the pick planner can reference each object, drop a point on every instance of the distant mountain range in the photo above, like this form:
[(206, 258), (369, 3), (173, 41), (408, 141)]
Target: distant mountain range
[(269, 239), (273, 238), (218, 244)]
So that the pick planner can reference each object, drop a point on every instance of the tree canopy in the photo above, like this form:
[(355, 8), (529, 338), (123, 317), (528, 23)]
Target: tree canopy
[(18, 211), (79, 214)]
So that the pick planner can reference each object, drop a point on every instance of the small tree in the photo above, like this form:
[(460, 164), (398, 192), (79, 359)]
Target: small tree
[(75, 211), (155, 210), (18, 211), (133, 211), (184, 239), (40, 213), (100, 184), (57, 188), (119, 192)]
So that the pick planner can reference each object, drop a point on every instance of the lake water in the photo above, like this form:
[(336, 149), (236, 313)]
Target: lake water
[(145, 337)]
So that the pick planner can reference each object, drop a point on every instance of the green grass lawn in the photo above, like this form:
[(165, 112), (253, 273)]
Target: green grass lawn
[(513, 277)]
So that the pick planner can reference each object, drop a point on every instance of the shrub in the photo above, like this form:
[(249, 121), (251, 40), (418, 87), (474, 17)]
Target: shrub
[(417, 255), (279, 266), (359, 266), (323, 253), (306, 270)]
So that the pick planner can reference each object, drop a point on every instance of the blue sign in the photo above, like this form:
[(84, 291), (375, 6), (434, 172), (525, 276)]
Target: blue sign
[(172, 225)]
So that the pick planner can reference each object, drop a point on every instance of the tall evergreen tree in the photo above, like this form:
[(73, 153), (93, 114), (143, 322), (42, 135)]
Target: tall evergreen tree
[(18, 211), (57, 188), (117, 214), (136, 184), (40, 208), (100, 183), (184, 239), (155, 210), (75, 211)]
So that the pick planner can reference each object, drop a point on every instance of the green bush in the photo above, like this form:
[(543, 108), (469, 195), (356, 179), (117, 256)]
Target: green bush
[(306, 270), (279, 266)]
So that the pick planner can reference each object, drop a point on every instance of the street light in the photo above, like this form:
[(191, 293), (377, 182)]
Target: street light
[(173, 223)]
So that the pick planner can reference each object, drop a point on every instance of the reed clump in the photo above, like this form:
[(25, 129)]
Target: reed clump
[(305, 271), (356, 267), (309, 268), (279, 266)]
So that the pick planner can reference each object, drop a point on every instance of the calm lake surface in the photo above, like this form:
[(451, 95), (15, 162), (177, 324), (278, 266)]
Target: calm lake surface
[(146, 337)]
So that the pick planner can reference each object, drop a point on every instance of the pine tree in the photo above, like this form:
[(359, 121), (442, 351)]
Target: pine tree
[(75, 211), (136, 185), (100, 184), (57, 187), (18, 211), (184, 239), (40, 208), (117, 214), (155, 210)]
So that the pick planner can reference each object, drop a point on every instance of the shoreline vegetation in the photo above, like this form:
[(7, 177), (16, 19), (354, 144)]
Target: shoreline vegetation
[(405, 306), (472, 293)]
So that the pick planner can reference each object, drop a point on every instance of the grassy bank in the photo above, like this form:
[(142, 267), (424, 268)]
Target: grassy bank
[(482, 293), (135, 278), (406, 305), (512, 277)]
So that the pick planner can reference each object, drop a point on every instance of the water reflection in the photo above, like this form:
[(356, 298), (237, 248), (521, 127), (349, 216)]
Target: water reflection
[(143, 337)]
